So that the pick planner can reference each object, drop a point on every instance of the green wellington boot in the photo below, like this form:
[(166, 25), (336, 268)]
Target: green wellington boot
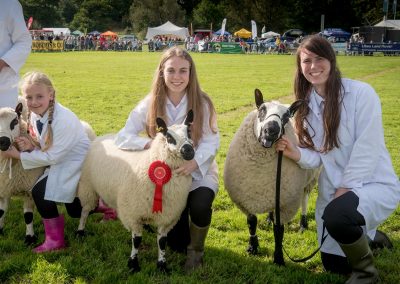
[(361, 261), (195, 249)]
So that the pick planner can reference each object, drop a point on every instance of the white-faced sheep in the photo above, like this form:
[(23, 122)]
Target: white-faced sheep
[(121, 179), (14, 180), (251, 167)]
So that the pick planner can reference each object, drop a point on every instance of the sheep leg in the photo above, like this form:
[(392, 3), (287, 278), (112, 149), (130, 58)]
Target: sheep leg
[(270, 218), (162, 243), (30, 237), (82, 223), (253, 240), (133, 262), (304, 205), (279, 230), (3, 209)]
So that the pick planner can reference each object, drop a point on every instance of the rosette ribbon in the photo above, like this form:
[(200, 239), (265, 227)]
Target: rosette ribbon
[(159, 173)]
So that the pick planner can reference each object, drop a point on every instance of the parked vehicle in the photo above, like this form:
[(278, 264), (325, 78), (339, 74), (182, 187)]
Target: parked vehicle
[(292, 34)]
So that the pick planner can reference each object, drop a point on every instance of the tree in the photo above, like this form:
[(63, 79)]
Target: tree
[(152, 13), (207, 13), (93, 14), (44, 12)]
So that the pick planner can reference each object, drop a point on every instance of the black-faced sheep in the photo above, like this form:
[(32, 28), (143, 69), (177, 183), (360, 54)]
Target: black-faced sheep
[(14, 180), (121, 179), (251, 167)]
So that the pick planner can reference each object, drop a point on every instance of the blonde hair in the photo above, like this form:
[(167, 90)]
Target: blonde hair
[(196, 97), (39, 78)]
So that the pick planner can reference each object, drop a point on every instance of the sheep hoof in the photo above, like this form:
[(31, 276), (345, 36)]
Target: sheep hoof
[(30, 240), (80, 233), (303, 223), (133, 264), (253, 245), (162, 267)]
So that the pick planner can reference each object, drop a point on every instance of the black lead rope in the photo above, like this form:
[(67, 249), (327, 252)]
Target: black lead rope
[(278, 227)]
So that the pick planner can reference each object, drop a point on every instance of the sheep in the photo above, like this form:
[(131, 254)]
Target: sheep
[(121, 179), (251, 167), (16, 181)]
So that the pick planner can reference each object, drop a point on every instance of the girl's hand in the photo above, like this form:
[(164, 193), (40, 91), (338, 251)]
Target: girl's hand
[(288, 148), (148, 145), (187, 168), (24, 144), (340, 191), (10, 153)]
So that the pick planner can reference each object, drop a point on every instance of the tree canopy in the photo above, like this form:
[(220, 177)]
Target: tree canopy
[(137, 15)]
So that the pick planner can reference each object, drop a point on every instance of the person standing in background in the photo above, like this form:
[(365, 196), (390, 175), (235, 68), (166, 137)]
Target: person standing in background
[(15, 46)]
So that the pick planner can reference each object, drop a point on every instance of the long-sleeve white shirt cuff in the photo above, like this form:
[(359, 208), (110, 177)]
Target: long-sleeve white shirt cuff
[(309, 159)]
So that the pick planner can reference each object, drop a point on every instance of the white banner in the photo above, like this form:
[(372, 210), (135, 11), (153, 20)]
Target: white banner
[(253, 29), (223, 27)]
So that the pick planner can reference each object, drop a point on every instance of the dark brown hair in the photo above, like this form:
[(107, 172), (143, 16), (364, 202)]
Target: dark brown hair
[(333, 96)]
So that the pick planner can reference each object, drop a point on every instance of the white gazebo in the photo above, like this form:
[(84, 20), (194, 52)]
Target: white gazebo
[(167, 29)]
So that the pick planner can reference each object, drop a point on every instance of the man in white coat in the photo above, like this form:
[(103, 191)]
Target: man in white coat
[(15, 46)]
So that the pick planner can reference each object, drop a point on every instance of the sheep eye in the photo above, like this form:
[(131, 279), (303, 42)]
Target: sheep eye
[(13, 123), (262, 112), (170, 139)]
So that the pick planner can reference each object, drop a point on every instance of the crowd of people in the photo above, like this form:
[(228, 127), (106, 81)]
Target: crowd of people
[(91, 42)]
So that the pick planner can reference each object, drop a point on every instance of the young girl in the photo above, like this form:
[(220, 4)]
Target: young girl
[(340, 128), (176, 90), (61, 147)]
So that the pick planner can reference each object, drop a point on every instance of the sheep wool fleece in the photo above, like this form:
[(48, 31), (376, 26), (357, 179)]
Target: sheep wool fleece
[(121, 179), (250, 174)]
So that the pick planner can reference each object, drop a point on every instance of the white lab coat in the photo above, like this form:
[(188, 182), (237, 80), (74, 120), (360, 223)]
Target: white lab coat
[(361, 163), (128, 139), (65, 157), (15, 46)]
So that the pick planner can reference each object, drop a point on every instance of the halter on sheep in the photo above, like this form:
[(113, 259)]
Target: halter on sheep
[(121, 179), (251, 169), (18, 181)]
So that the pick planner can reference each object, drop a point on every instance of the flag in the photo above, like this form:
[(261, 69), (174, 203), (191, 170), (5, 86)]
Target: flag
[(253, 29), (223, 27), (385, 6), (263, 31), (29, 24)]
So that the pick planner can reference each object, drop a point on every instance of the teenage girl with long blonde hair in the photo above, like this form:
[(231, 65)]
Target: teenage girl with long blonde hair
[(176, 90)]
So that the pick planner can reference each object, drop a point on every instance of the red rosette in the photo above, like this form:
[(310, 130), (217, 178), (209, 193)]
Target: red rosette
[(159, 173)]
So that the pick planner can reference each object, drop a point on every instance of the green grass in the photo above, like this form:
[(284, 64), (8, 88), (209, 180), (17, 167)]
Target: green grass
[(102, 88)]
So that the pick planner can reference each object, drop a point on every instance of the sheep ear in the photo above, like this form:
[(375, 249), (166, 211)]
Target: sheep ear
[(18, 109), (189, 118), (258, 98), (291, 111), (161, 126), (294, 107)]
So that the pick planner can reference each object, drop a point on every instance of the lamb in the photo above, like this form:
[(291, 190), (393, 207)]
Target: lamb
[(121, 179), (251, 167), (17, 181)]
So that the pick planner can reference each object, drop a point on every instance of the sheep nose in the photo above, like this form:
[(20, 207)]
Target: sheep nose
[(272, 129), (5, 143), (187, 152)]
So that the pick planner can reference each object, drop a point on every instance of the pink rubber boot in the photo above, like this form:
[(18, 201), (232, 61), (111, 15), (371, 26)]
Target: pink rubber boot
[(108, 212), (54, 232)]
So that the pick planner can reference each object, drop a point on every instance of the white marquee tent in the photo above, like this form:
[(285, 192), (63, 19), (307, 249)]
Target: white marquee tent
[(389, 23), (59, 31), (167, 29)]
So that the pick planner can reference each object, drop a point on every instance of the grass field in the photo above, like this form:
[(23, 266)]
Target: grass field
[(102, 88)]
